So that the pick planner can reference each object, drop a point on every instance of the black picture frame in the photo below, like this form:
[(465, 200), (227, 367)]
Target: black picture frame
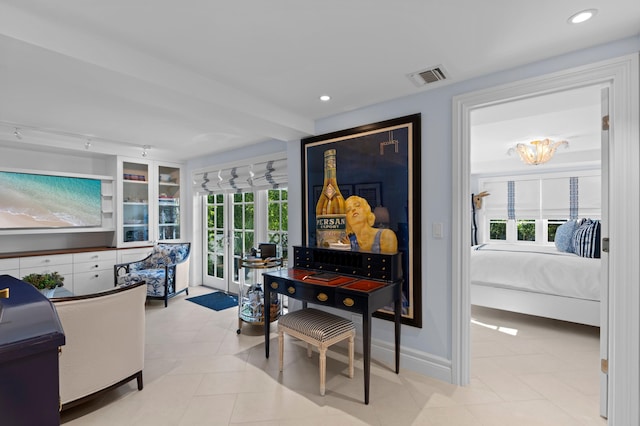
[(382, 160)]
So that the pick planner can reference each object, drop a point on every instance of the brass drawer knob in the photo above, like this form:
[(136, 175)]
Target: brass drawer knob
[(348, 302), (274, 285), (322, 297), (291, 290)]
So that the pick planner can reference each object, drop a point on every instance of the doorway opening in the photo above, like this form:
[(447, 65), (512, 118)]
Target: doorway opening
[(623, 158), (522, 290)]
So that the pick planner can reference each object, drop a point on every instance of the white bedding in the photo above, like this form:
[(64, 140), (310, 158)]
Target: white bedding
[(541, 269)]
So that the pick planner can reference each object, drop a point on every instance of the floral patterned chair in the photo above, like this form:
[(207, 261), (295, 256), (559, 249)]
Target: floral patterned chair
[(165, 271)]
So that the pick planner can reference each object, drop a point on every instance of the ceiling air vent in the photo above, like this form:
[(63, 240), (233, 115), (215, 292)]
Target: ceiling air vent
[(430, 75)]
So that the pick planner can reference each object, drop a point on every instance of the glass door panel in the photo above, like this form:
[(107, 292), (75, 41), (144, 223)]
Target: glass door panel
[(168, 203), (277, 221), (243, 231), (216, 242), (135, 206)]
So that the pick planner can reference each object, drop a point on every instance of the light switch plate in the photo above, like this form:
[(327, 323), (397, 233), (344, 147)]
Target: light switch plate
[(438, 230)]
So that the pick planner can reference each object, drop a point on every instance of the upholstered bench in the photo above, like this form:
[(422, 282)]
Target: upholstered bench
[(320, 329)]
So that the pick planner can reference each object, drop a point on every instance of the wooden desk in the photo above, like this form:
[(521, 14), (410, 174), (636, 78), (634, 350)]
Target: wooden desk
[(349, 292)]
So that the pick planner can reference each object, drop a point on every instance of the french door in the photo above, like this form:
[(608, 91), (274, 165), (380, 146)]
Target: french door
[(236, 223)]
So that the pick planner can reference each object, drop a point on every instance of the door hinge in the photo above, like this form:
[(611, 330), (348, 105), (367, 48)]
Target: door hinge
[(605, 245), (605, 122), (604, 366)]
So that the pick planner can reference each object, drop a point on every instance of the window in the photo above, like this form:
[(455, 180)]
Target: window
[(498, 229), (526, 230), (552, 227), (528, 209)]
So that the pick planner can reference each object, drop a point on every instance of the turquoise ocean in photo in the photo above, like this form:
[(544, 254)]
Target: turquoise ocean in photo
[(32, 200)]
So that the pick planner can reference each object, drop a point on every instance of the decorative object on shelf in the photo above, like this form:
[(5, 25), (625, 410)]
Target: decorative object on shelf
[(46, 283), (537, 152)]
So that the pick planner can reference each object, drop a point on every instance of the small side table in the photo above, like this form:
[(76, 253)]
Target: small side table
[(251, 294)]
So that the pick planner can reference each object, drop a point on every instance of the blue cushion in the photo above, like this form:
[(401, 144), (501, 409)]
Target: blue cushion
[(564, 236), (586, 239), (155, 279)]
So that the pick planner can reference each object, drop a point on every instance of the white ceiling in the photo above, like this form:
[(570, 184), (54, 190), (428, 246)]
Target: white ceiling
[(572, 115), (196, 77)]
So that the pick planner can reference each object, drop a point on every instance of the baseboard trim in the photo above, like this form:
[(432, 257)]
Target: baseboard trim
[(411, 359)]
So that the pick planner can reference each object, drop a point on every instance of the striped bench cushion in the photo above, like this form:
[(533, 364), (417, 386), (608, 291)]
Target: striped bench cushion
[(316, 324)]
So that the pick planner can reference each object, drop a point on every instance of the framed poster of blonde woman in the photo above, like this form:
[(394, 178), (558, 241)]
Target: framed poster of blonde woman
[(379, 210)]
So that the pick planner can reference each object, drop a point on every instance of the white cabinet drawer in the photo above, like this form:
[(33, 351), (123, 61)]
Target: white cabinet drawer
[(96, 256), (93, 266), (46, 261), (10, 267), (13, 272), (92, 282), (66, 269), (8, 264)]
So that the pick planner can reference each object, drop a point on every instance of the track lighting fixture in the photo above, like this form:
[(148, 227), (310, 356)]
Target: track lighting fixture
[(145, 149), (87, 144), (17, 134)]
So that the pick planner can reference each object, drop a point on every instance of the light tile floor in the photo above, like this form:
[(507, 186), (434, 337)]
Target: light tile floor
[(198, 371)]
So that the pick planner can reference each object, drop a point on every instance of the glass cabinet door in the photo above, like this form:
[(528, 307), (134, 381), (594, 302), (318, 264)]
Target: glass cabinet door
[(135, 202), (168, 203)]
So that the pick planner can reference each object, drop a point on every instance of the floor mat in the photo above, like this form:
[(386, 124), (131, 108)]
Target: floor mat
[(217, 301)]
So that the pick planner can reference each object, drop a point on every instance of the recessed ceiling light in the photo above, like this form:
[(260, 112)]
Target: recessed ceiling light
[(582, 16), (325, 98)]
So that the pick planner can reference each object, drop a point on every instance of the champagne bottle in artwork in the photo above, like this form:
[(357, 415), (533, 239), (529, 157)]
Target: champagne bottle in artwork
[(330, 208)]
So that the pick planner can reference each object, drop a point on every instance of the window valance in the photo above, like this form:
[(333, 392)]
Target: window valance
[(270, 174)]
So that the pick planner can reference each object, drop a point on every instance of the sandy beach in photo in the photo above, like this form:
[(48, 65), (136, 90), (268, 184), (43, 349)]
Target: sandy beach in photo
[(17, 221)]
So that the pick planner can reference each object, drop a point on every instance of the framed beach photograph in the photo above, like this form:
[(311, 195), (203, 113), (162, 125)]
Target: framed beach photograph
[(379, 162)]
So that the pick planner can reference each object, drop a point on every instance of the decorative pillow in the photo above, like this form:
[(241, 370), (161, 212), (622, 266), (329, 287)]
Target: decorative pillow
[(564, 236), (586, 239)]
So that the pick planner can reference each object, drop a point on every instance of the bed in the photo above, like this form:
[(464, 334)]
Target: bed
[(536, 280)]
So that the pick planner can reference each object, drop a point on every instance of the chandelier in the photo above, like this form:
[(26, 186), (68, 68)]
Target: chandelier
[(538, 152)]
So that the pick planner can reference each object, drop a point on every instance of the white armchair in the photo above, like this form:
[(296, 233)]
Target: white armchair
[(165, 271), (105, 339)]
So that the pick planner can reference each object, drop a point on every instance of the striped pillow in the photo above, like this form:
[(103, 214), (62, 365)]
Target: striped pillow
[(586, 239)]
